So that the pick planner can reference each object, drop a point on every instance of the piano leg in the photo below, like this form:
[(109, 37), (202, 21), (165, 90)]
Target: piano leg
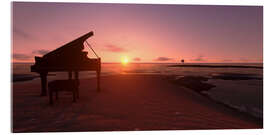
[(43, 77), (98, 80), (77, 79)]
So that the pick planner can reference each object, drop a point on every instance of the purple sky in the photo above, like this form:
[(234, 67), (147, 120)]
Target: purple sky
[(142, 33)]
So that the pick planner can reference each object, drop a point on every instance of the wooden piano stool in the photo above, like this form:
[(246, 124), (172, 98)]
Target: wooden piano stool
[(63, 85)]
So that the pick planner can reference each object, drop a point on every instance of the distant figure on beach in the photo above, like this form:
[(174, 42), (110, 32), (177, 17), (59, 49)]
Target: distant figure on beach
[(182, 61)]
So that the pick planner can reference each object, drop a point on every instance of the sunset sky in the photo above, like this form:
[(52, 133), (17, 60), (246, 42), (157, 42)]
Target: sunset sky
[(141, 33)]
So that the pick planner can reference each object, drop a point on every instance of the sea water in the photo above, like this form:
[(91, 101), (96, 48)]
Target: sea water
[(243, 95)]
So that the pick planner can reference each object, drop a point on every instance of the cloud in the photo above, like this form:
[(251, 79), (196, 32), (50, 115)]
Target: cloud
[(114, 48), (199, 58), (245, 60), (163, 59), (21, 56), (40, 52), (137, 59), (227, 60), (250, 60), (22, 33)]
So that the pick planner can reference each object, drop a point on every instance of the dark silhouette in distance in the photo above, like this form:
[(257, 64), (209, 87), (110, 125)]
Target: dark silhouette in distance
[(182, 61)]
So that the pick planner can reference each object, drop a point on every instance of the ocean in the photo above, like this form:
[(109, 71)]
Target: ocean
[(245, 95)]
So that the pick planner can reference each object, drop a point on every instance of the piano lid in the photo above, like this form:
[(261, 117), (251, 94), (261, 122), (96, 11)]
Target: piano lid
[(75, 45)]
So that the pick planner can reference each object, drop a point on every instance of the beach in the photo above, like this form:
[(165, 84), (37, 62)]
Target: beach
[(126, 102), (82, 67)]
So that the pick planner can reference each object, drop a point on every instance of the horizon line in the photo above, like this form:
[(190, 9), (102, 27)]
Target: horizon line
[(171, 62)]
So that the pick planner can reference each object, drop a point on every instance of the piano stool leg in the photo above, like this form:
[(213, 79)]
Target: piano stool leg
[(74, 95), (56, 94), (77, 93), (51, 97), (43, 77)]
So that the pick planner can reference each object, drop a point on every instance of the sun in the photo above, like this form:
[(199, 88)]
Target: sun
[(124, 60)]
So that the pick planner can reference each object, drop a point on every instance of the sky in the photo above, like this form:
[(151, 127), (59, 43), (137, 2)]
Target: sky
[(141, 33)]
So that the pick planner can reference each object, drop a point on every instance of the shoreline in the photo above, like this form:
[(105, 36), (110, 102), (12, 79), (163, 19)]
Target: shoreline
[(204, 87), (26, 77), (125, 103), (215, 66)]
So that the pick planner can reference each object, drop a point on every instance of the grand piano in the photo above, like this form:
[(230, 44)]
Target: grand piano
[(68, 58)]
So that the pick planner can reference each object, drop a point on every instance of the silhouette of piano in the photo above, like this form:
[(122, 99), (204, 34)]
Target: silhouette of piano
[(67, 58)]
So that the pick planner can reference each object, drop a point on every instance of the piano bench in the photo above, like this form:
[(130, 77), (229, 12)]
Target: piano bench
[(63, 85)]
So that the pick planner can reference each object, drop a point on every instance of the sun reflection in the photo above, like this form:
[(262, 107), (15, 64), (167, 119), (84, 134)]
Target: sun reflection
[(124, 60)]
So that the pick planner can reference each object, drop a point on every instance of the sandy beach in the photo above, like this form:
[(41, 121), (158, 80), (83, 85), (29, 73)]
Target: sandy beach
[(135, 67), (126, 103)]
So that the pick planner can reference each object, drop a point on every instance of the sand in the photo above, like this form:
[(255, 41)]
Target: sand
[(126, 103)]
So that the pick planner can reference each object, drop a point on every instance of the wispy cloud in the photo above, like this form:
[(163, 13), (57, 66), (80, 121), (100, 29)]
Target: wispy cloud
[(114, 48), (163, 59), (21, 33), (21, 56), (245, 60), (137, 59), (199, 58), (250, 60), (40, 52), (227, 60)]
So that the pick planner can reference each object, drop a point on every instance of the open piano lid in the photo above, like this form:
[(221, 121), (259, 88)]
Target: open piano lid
[(76, 44), (67, 57)]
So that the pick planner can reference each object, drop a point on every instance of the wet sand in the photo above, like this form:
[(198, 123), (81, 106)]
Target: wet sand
[(126, 103)]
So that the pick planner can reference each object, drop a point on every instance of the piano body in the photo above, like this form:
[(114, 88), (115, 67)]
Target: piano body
[(68, 58)]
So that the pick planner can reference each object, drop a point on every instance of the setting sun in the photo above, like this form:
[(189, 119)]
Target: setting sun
[(124, 60)]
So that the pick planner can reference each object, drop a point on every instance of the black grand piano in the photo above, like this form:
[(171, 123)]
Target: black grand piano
[(68, 58)]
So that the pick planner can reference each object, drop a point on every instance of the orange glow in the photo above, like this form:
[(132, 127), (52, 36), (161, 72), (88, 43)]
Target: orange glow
[(124, 60)]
